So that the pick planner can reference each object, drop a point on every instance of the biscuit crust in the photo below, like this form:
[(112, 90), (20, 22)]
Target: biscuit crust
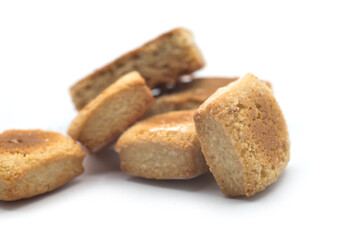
[(159, 61), (33, 162), (111, 112), (162, 147), (244, 136)]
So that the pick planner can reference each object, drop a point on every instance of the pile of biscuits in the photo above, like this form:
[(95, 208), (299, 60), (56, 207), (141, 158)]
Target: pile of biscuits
[(166, 124)]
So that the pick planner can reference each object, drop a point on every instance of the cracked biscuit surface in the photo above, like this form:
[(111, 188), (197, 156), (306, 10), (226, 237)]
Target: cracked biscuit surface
[(243, 135), (33, 162)]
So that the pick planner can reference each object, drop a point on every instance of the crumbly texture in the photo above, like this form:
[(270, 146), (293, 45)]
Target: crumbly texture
[(188, 95), (159, 61), (243, 135), (162, 147), (111, 112), (33, 162)]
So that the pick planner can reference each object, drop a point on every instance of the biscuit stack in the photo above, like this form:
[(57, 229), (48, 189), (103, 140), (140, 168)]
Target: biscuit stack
[(232, 126)]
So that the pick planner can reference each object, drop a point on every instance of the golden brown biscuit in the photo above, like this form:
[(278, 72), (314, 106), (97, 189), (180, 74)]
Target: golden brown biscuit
[(33, 162), (159, 61), (111, 112), (188, 95), (162, 147), (243, 135)]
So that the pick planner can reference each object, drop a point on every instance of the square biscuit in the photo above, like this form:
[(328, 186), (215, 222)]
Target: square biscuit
[(159, 61), (243, 135), (111, 112), (164, 146)]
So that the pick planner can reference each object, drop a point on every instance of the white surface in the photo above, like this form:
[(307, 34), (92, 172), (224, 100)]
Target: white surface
[(308, 50)]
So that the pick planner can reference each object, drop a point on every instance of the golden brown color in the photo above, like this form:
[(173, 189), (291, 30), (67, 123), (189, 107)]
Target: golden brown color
[(111, 112), (243, 135), (33, 162), (159, 61), (188, 95), (162, 147)]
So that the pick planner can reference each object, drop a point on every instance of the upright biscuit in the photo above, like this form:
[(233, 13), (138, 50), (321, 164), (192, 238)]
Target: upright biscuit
[(162, 147), (159, 61), (243, 135), (188, 95), (33, 162), (111, 112)]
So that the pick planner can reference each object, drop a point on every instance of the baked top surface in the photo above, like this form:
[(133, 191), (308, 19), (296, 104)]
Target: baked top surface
[(163, 128), (22, 150), (25, 141)]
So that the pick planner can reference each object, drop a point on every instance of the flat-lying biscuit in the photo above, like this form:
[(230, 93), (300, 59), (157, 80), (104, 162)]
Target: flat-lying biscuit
[(111, 112), (243, 135), (33, 162), (164, 146), (159, 61), (188, 95)]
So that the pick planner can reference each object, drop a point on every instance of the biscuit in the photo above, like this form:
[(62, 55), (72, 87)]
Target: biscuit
[(159, 61), (188, 95), (33, 162), (243, 135), (164, 146), (111, 112)]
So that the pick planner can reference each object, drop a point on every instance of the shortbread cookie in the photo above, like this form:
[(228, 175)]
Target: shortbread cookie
[(33, 162), (188, 95), (159, 61), (243, 135), (162, 147), (111, 112)]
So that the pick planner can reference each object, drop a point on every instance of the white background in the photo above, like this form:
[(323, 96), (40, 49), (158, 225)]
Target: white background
[(309, 50)]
